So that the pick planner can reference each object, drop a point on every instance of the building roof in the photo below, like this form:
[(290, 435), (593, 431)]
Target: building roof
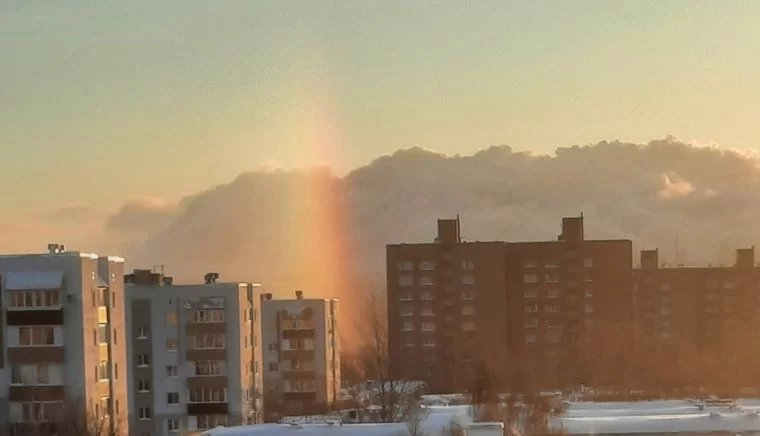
[(674, 416), (21, 281)]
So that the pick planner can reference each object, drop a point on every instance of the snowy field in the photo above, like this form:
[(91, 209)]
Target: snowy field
[(657, 417)]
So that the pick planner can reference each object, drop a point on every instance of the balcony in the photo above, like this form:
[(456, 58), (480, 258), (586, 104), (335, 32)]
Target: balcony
[(34, 317), (207, 409)]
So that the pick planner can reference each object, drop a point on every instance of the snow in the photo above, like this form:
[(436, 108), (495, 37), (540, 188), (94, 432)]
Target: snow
[(433, 424), (20, 281), (672, 416)]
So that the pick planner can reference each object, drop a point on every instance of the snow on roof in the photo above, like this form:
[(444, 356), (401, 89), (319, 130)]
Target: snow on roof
[(673, 416), (19, 281), (438, 419)]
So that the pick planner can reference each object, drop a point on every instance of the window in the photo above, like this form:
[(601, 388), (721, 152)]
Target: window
[(589, 293), (35, 299), (468, 310), (406, 341), (208, 395), (468, 265), (428, 311), (172, 398), (208, 315), (207, 368), (530, 278), (428, 341), (171, 318), (102, 371), (468, 295), (531, 323), (143, 385), (552, 293), (531, 308), (103, 334), (426, 296), (729, 285), (272, 366), (588, 262), (172, 425), (553, 335), (663, 310), (530, 338), (467, 280), (208, 341), (587, 278), (211, 421), (171, 370), (405, 266), (171, 345), (36, 336), (406, 280), (426, 281), (530, 293), (143, 360), (406, 296), (428, 265), (142, 332), (407, 326), (551, 278), (712, 297), (551, 264), (39, 374), (468, 326), (551, 308), (38, 411), (143, 413), (428, 326), (530, 264)]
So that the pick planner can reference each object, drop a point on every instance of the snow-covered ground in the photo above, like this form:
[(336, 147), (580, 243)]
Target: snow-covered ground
[(675, 416), (435, 422)]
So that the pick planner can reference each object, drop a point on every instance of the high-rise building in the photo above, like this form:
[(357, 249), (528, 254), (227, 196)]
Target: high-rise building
[(195, 360), (62, 343), (301, 352), (464, 307)]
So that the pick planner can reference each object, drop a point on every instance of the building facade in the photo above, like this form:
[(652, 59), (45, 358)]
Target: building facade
[(63, 363), (301, 353), (467, 307), (195, 360)]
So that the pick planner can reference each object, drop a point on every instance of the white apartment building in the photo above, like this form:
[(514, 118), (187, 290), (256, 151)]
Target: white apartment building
[(301, 352), (195, 360), (62, 343)]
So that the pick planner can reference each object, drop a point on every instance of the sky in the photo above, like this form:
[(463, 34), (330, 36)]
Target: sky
[(106, 101)]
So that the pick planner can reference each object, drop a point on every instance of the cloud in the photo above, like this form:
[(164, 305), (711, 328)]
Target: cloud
[(144, 214), (674, 186)]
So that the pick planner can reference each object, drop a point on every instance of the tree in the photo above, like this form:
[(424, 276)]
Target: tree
[(416, 415), (68, 420)]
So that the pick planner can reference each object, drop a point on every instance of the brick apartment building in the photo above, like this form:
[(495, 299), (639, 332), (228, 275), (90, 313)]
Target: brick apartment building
[(457, 305)]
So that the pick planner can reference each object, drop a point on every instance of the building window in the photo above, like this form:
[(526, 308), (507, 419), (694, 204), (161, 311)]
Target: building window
[(142, 332), (531, 308), (426, 281), (405, 266), (207, 368), (587, 277), (427, 265), (143, 360), (210, 421), (39, 374), (530, 293), (712, 297), (208, 315), (530, 278), (103, 371), (143, 413), (406, 280), (663, 310), (468, 265), (171, 345), (468, 326), (467, 280), (35, 299), (551, 278), (272, 366), (531, 323), (171, 318), (406, 341), (208, 395), (208, 341), (553, 335), (172, 425), (551, 308), (172, 398), (428, 326), (530, 338), (171, 371), (552, 293), (426, 296), (530, 264), (428, 311), (551, 264), (588, 262), (428, 341), (407, 326), (468, 295), (143, 385), (406, 296), (729, 285), (36, 336), (468, 310), (589, 293)]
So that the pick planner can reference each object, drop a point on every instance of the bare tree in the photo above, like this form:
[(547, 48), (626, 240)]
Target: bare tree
[(415, 416), (68, 421)]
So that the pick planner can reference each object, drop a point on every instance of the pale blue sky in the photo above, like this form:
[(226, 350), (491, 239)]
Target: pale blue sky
[(124, 99)]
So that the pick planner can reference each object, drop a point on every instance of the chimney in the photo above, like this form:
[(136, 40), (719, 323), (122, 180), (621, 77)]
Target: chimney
[(210, 278), (572, 229), (448, 231), (268, 296), (745, 257), (299, 295), (650, 259)]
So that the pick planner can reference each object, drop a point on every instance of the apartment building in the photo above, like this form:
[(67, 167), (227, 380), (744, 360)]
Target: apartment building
[(195, 360), (302, 352), (63, 363), (697, 309), (457, 305)]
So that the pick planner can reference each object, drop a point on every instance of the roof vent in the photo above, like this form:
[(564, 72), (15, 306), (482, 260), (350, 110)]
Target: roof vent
[(299, 295), (211, 277), (56, 248)]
